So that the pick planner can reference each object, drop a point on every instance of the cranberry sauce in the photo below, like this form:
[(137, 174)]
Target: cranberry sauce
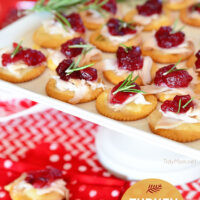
[(171, 77), (197, 63), (29, 56), (150, 7), (110, 6), (72, 52), (180, 104), (76, 22), (195, 7), (43, 178), (129, 58), (121, 97), (88, 74), (118, 27), (167, 39)]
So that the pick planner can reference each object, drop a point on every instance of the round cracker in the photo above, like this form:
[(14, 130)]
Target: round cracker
[(129, 112), (30, 194), (106, 45), (113, 78), (163, 20), (179, 5), (47, 40), (185, 18), (161, 57), (191, 61), (183, 133), (163, 96), (26, 74), (67, 95)]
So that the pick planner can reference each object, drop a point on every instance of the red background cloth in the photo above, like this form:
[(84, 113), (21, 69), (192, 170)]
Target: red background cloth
[(66, 142)]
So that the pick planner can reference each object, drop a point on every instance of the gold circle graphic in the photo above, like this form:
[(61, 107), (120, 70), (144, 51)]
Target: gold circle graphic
[(152, 189)]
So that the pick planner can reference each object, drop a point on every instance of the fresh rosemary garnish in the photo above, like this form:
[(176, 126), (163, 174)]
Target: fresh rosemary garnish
[(123, 24), (100, 38), (174, 28), (96, 5), (54, 7), (74, 66), (173, 69), (127, 85), (179, 106), (16, 50), (184, 106), (86, 47), (126, 48)]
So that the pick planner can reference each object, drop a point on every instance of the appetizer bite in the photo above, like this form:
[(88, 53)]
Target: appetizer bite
[(126, 101), (19, 64), (95, 13), (115, 32), (178, 119), (172, 80), (75, 83), (178, 4), (151, 15), (194, 62), (58, 30), (191, 15), (72, 49), (46, 184), (167, 45), (129, 59)]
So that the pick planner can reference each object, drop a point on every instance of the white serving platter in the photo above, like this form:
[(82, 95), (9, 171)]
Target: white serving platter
[(35, 90)]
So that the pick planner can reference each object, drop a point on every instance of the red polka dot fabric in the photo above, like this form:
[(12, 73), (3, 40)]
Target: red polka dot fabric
[(67, 143)]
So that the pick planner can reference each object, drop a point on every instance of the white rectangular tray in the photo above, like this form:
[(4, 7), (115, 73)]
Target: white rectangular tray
[(35, 90)]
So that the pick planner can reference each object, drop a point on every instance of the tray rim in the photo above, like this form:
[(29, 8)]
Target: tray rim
[(111, 124)]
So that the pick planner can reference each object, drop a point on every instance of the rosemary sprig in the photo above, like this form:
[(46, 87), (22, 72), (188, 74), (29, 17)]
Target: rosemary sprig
[(179, 106), (16, 50), (55, 5), (127, 85), (100, 38), (173, 69), (184, 106), (62, 19), (86, 47), (174, 28), (96, 5), (126, 48), (74, 66), (124, 24)]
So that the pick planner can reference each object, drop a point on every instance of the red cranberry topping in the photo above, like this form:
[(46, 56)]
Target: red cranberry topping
[(76, 22), (72, 52), (195, 7), (174, 79), (110, 6), (166, 39), (88, 74), (178, 104), (29, 56), (129, 58), (150, 7), (118, 27), (121, 97), (43, 178), (197, 63)]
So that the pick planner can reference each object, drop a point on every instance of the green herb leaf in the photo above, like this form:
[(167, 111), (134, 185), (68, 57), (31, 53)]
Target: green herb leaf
[(127, 85), (126, 48), (63, 19), (184, 106), (86, 47), (173, 68), (16, 50), (179, 106)]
